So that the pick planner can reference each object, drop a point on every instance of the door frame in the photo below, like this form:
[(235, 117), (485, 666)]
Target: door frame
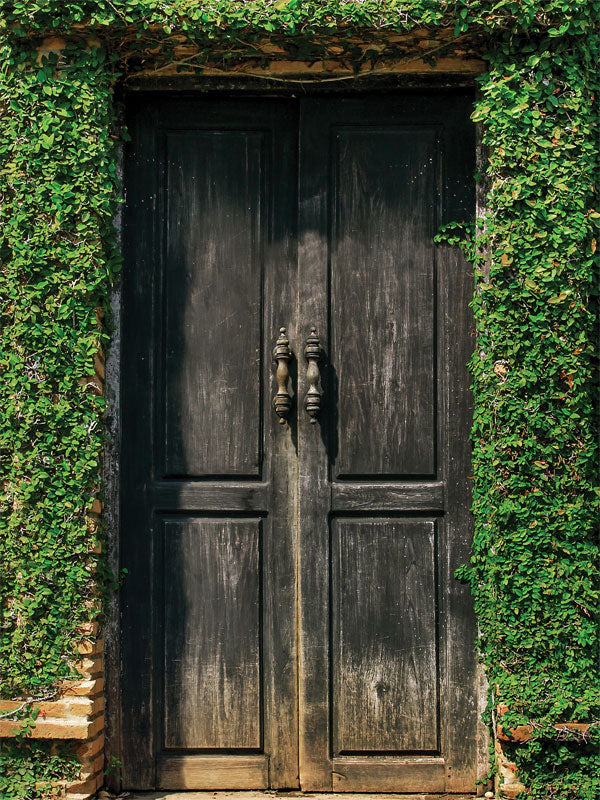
[(229, 87)]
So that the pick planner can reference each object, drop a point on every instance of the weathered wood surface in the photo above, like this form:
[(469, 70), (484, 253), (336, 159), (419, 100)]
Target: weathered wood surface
[(398, 775), (377, 177), (214, 772), (384, 636), (399, 53), (209, 495), (383, 327), (212, 633), (209, 478), (258, 795), (314, 493), (213, 302), (362, 496), (243, 536)]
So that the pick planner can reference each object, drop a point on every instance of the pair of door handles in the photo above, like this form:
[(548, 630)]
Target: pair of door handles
[(282, 355)]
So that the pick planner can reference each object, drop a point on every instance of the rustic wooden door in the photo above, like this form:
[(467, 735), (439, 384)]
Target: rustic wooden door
[(289, 615), (386, 632)]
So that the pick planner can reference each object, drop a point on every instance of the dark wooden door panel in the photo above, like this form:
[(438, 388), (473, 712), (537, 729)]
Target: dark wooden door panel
[(290, 617), (209, 477), (212, 634), (383, 217), (213, 302), (410, 774), (384, 490), (384, 643)]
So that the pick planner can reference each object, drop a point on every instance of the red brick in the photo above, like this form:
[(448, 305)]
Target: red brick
[(90, 749), (89, 785), (83, 687), (55, 728)]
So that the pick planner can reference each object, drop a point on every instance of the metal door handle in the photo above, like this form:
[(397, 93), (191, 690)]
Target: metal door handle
[(282, 402), (313, 354)]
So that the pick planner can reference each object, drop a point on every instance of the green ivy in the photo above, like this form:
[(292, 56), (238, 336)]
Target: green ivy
[(34, 769), (535, 450), (57, 186), (534, 569), (555, 769)]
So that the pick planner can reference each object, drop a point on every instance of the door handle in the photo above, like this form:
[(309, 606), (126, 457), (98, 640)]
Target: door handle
[(282, 402), (313, 354)]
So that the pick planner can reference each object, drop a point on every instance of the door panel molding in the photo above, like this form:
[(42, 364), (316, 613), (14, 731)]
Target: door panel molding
[(213, 772)]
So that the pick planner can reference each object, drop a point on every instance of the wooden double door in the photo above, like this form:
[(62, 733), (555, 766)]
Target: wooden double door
[(290, 617)]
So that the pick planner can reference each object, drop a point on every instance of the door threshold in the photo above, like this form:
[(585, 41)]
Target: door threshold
[(273, 795)]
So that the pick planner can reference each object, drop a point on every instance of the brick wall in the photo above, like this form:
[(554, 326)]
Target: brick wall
[(76, 715)]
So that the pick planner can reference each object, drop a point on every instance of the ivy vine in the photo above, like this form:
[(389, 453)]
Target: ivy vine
[(35, 769), (534, 569)]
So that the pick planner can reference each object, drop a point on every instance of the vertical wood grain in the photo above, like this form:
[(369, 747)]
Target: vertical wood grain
[(382, 299), (457, 342), (137, 596), (377, 176), (314, 492), (366, 187), (213, 299), (210, 275), (212, 634), (384, 636)]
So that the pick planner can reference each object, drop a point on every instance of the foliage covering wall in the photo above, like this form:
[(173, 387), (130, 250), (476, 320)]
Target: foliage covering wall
[(535, 557)]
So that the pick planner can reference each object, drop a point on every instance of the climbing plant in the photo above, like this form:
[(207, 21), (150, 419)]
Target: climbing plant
[(35, 768), (534, 569), (57, 261)]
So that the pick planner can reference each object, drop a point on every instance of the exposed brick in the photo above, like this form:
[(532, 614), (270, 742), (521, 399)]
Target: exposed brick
[(92, 382), (88, 628), (519, 734), (10, 705), (96, 725), (88, 786), (54, 728), (507, 782), (510, 792), (90, 667), (522, 733), (90, 749), (51, 44), (90, 648), (8, 728), (99, 366), (97, 704), (96, 506), (56, 785), (64, 707), (91, 767), (83, 687)]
